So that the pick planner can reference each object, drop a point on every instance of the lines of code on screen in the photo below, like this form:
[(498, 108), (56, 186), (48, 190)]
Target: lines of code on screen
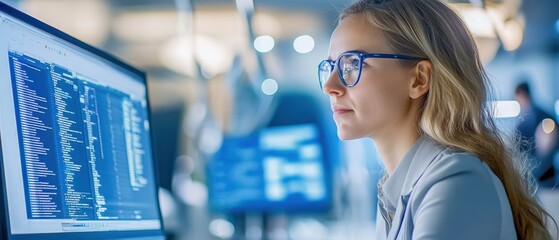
[(84, 146)]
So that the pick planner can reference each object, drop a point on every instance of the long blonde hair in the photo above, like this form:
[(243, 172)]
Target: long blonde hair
[(455, 111)]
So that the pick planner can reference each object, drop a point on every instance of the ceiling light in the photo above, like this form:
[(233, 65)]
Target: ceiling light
[(303, 44), (269, 86), (506, 109), (264, 44)]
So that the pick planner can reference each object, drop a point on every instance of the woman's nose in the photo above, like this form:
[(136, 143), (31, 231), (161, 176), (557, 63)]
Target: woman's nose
[(333, 85)]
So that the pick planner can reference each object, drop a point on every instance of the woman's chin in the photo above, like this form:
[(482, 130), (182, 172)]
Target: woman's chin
[(344, 135)]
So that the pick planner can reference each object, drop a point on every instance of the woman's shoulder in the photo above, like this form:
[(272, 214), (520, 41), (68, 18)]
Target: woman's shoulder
[(434, 162), (451, 161), (461, 190), (462, 170)]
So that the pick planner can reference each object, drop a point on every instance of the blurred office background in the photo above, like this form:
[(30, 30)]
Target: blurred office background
[(244, 139)]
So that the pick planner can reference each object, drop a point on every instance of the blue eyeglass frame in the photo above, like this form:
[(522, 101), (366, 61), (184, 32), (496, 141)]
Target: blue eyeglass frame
[(362, 57)]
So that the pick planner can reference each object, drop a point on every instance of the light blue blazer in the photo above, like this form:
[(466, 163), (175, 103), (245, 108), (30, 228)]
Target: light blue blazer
[(437, 192)]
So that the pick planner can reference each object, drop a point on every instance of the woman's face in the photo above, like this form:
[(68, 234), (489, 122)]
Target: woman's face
[(380, 102)]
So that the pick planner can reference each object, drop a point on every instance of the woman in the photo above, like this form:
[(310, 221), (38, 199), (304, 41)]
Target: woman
[(406, 74)]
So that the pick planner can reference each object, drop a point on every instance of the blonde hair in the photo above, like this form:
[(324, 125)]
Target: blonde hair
[(455, 111)]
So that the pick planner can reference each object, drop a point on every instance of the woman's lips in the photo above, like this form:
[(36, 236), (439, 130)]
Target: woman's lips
[(338, 111)]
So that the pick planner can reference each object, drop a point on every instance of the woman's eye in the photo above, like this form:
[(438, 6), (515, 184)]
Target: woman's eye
[(355, 63)]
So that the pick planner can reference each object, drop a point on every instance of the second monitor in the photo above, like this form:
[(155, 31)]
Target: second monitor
[(280, 168)]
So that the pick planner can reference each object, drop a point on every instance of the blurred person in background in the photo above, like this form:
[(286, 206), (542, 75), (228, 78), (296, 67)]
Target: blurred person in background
[(407, 75), (537, 140)]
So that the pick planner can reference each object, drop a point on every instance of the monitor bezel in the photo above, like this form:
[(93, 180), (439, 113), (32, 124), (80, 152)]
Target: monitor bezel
[(5, 229)]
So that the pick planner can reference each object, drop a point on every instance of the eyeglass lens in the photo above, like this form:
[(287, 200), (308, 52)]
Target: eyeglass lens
[(348, 64)]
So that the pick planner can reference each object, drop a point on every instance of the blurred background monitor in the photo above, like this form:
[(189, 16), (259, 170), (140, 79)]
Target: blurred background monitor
[(279, 168)]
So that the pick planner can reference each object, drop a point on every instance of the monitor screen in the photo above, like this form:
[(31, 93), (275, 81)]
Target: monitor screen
[(76, 153), (281, 168)]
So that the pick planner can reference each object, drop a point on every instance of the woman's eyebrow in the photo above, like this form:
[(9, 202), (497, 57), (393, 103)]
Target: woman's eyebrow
[(351, 50)]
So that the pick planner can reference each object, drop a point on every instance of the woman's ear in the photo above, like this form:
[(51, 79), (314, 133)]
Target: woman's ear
[(421, 79)]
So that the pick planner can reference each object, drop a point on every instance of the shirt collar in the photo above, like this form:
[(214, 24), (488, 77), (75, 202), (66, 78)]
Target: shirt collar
[(409, 170)]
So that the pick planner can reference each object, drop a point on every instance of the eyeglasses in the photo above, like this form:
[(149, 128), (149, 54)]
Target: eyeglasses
[(350, 65)]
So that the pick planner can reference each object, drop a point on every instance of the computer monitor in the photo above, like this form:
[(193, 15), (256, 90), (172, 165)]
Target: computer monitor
[(277, 169), (76, 158)]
